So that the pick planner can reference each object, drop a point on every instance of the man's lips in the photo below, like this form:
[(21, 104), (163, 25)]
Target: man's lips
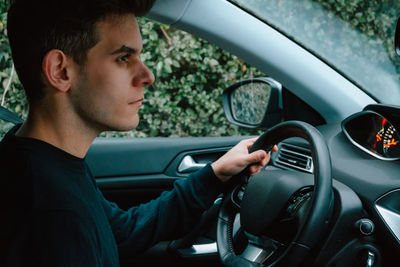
[(136, 101)]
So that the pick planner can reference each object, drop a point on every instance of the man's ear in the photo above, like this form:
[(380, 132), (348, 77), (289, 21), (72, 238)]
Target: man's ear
[(56, 68)]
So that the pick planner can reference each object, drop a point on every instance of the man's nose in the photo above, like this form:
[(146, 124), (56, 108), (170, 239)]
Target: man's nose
[(150, 76), (145, 76)]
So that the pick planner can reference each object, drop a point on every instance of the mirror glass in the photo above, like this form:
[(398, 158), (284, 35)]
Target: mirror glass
[(249, 102), (374, 134)]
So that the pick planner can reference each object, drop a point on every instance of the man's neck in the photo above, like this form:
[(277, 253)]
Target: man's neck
[(64, 134)]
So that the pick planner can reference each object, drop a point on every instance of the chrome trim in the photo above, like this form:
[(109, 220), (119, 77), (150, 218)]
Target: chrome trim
[(199, 249), (389, 213), (255, 254), (363, 222), (218, 201), (370, 259), (189, 165), (392, 220)]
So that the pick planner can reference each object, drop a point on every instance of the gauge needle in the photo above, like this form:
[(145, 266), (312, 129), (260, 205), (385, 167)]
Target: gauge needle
[(378, 138), (392, 143)]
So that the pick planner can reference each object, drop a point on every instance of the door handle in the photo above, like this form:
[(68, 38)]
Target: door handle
[(189, 165)]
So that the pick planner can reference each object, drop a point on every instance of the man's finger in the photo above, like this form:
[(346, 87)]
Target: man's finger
[(255, 169), (256, 156)]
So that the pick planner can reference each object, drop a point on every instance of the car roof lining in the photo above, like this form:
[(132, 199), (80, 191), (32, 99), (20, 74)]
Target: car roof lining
[(168, 12)]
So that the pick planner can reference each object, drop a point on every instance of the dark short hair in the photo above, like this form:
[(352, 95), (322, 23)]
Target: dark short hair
[(36, 27)]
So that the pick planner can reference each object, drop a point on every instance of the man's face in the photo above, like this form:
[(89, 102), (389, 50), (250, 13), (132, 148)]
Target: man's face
[(109, 91)]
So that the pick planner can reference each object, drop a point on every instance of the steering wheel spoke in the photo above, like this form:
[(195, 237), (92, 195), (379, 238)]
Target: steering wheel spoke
[(261, 248), (237, 194), (256, 254)]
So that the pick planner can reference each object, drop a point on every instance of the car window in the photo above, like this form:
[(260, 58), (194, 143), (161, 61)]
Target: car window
[(186, 98), (356, 37)]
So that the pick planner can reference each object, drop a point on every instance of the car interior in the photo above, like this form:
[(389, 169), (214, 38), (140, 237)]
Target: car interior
[(330, 195)]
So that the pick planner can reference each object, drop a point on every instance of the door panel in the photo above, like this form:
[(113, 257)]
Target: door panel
[(134, 156), (131, 171)]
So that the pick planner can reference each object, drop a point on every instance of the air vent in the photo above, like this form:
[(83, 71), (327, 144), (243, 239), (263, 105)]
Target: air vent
[(294, 157)]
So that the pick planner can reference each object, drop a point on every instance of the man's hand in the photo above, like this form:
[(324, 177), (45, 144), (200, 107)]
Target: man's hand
[(238, 158)]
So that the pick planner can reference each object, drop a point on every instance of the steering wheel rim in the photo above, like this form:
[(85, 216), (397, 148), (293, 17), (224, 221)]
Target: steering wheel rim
[(321, 202)]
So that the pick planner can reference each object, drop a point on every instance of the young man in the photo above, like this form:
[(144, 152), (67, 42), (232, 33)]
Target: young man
[(79, 63)]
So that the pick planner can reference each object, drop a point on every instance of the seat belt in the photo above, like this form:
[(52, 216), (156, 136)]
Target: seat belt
[(9, 116)]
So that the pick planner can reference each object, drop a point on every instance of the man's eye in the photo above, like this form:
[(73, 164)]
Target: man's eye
[(123, 58)]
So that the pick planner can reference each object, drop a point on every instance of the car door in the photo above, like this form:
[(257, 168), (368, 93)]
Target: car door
[(131, 171)]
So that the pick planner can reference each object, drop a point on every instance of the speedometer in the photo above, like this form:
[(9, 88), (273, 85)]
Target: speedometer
[(374, 134), (390, 140)]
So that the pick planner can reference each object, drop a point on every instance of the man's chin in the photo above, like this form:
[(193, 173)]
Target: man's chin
[(124, 127)]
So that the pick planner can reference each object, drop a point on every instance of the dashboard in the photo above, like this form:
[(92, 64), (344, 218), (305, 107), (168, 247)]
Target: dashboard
[(364, 151)]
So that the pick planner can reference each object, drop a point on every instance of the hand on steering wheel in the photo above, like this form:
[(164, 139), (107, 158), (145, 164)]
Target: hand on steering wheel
[(238, 158)]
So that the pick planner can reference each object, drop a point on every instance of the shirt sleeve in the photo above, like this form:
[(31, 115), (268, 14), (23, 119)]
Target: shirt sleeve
[(167, 217)]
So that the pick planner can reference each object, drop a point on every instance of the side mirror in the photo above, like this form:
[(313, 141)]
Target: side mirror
[(254, 103)]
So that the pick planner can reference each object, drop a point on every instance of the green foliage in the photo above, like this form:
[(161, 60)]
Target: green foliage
[(11, 92)]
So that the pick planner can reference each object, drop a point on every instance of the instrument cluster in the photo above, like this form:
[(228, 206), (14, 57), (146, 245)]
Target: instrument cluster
[(375, 130)]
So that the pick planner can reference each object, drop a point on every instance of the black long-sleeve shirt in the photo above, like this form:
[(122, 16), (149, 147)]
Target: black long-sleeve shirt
[(53, 214)]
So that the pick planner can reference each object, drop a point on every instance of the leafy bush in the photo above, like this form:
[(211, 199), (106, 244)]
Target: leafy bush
[(11, 93)]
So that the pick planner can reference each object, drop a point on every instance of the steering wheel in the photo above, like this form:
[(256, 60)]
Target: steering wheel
[(282, 216)]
